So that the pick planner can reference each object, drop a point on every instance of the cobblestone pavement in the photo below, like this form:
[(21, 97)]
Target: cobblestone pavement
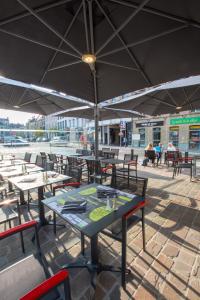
[(170, 267)]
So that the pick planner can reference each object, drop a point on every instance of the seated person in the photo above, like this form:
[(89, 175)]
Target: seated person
[(171, 147), (158, 149), (149, 154)]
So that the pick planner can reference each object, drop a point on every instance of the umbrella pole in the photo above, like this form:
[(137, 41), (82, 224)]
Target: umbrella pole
[(96, 121)]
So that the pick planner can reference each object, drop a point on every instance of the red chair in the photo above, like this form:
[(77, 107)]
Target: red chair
[(31, 278)]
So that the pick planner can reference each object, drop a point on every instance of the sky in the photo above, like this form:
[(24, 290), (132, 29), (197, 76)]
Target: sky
[(16, 116)]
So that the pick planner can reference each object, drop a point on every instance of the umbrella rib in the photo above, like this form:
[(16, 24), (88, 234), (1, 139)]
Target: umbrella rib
[(86, 26), (37, 9), (158, 13), (117, 65), (186, 98), (65, 65), (132, 15), (171, 97), (91, 26), (60, 44), (152, 37), (161, 101), (32, 12), (131, 55), (22, 96), (193, 93), (16, 35)]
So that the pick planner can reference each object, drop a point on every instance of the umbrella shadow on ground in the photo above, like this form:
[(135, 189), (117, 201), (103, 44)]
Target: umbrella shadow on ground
[(148, 174)]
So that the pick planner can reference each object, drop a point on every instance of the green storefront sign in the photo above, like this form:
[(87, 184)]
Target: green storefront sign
[(190, 120)]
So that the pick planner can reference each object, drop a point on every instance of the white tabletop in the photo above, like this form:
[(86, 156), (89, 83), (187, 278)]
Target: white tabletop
[(36, 180), (13, 162), (17, 170)]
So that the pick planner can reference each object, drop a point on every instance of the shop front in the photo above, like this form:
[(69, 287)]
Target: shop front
[(194, 138)]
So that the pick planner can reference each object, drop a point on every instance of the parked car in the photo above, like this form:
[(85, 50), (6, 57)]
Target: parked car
[(16, 142), (58, 141)]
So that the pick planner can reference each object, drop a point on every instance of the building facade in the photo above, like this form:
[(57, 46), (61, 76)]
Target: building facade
[(182, 130)]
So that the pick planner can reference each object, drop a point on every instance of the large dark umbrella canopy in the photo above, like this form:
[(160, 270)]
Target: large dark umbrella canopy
[(169, 98), (104, 113), (21, 97), (136, 43)]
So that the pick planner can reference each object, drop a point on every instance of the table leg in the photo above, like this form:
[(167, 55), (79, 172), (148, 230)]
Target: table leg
[(113, 180), (10, 186), (42, 218), (22, 200), (94, 250)]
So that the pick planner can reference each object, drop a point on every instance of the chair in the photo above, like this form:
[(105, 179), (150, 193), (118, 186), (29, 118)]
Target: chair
[(118, 230), (105, 149), (76, 174), (39, 161), (96, 172), (130, 164), (27, 157), (31, 277), (9, 211), (180, 165), (151, 155), (116, 151), (57, 165), (171, 156), (109, 155)]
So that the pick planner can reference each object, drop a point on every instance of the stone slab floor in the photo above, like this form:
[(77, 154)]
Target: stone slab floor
[(170, 267)]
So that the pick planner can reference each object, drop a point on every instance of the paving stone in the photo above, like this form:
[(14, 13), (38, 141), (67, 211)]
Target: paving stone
[(144, 260), (170, 250), (182, 268), (186, 256), (194, 290), (153, 248), (162, 264), (144, 292)]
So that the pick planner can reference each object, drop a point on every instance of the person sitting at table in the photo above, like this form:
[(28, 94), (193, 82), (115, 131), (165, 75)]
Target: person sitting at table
[(149, 154), (171, 147), (159, 150)]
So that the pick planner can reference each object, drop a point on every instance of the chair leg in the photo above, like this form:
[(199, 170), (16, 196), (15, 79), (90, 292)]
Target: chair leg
[(124, 241), (82, 244), (143, 230)]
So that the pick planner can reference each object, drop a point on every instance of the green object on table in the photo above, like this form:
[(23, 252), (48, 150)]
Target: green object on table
[(61, 201), (124, 198), (98, 213), (88, 192)]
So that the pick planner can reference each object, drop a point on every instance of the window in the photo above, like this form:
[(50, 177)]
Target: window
[(156, 136), (174, 135), (142, 137), (194, 137)]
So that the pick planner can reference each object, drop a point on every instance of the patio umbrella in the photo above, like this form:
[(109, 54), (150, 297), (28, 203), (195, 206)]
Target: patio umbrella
[(29, 98), (97, 50), (104, 113), (172, 97)]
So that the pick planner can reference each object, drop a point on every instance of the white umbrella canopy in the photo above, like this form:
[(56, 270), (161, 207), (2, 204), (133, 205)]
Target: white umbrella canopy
[(104, 113), (15, 95), (171, 97)]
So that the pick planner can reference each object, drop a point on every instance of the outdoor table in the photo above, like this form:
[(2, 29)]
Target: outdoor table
[(95, 219), (7, 156), (91, 158), (32, 181), (12, 162), (114, 162), (75, 155), (19, 170)]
